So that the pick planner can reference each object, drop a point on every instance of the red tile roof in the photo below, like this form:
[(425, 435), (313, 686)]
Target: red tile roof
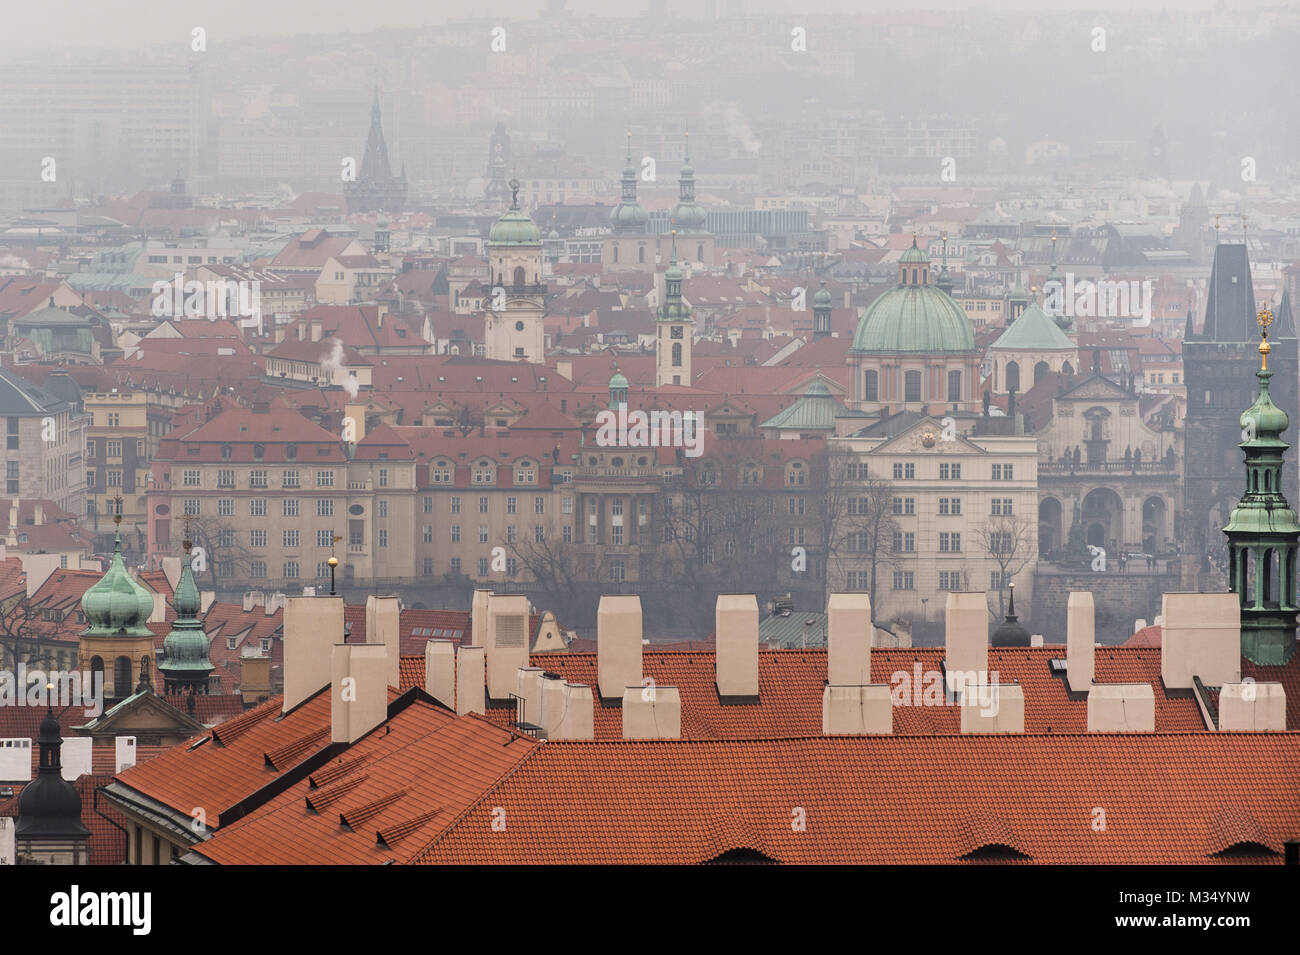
[(1080, 799)]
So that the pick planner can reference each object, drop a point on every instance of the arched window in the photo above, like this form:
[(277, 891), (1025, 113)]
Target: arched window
[(1040, 370), (699, 252), (677, 354), (519, 275), (1013, 376), (616, 253), (640, 254), (121, 676), (954, 386), (871, 385), (912, 386)]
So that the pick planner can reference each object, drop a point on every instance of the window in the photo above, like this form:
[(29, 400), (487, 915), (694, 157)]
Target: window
[(324, 478), (568, 534), (904, 505), (290, 539), (1002, 472), (225, 478), (859, 580), (291, 479), (257, 478), (949, 543), (115, 480), (949, 472), (944, 504), (539, 533), (483, 472), (482, 566), (998, 580), (617, 571), (324, 507), (257, 538), (616, 535), (950, 580), (191, 477), (90, 444), (1001, 506), (527, 474), (871, 386), (954, 386), (257, 507), (383, 477), (383, 507), (904, 543), (455, 533), (226, 507), (904, 580), (796, 506), (191, 504), (257, 568), (289, 507), (383, 537), (482, 505), (1000, 542), (482, 533), (290, 568), (455, 505), (428, 566), (225, 568), (904, 471), (115, 421), (455, 565), (566, 505), (11, 476), (325, 538), (858, 471), (428, 504), (539, 505), (796, 475), (512, 505), (226, 538), (912, 387), (441, 473), (322, 568)]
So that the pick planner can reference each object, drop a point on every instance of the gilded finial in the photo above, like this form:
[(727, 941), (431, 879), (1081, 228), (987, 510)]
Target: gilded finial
[(187, 543), (1264, 319), (117, 510)]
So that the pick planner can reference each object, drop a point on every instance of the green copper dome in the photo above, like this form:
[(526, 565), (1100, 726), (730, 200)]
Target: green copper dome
[(915, 319), (914, 255), (1033, 330), (618, 381), (1264, 420), (514, 228), (117, 603), (628, 217), (822, 297), (185, 648)]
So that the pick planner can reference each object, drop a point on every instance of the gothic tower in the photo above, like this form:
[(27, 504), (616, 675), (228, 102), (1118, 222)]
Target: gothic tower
[(1263, 535), (376, 188)]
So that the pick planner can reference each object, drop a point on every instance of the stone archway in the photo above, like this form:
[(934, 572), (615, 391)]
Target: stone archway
[(1049, 526), (1103, 519), (1155, 524)]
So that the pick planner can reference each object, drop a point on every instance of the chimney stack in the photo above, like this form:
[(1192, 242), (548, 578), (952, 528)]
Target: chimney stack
[(312, 625), (469, 681), (159, 614), (383, 626), (1080, 641), (618, 644), (1121, 708), (736, 644), (1252, 707), (857, 710), (38, 513), (652, 712), (966, 639), (171, 568), (528, 688), (848, 640), (993, 708), (507, 646), (1201, 636), (358, 691), (440, 672), (579, 717), (478, 618), (315, 329)]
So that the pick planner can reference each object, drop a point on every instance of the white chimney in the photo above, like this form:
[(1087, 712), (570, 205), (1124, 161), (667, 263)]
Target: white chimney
[(966, 639), (528, 688), (440, 672), (76, 756), (38, 513), (1121, 708), (38, 568), (857, 710), (550, 700), (248, 601), (1036, 640), (469, 681), (274, 603), (618, 644), (848, 640), (16, 759), (1080, 641), (507, 642), (993, 708), (312, 625), (652, 712), (478, 618), (123, 752), (736, 644), (1252, 707), (206, 599), (579, 720), (384, 626), (159, 613), (1201, 637), (358, 690)]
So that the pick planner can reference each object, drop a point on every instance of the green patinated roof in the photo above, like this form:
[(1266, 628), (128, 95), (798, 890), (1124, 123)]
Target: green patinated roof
[(52, 315), (618, 381), (1034, 330), (815, 411), (822, 296), (185, 648), (514, 228), (799, 629), (117, 603), (628, 216), (914, 254), (915, 319)]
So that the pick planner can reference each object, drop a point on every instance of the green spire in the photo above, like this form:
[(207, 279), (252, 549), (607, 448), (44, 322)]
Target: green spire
[(628, 216), (117, 604), (673, 308), (185, 649), (1263, 533)]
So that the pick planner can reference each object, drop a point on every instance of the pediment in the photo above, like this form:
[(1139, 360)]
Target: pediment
[(926, 437), (1094, 388)]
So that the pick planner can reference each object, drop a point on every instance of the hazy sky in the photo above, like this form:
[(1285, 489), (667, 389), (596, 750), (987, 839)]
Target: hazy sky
[(136, 23)]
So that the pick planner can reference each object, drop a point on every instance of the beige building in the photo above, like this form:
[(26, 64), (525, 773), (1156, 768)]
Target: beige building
[(964, 507), (124, 429), (43, 455)]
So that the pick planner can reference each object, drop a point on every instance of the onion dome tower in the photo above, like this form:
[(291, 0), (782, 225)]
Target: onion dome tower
[(1263, 534), (49, 828), (673, 323), (185, 666), (618, 390), (628, 215), (117, 640), (515, 322), (1011, 633), (821, 313), (688, 215)]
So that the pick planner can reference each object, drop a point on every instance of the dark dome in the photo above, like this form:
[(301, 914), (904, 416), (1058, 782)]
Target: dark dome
[(1011, 633), (50, 806)]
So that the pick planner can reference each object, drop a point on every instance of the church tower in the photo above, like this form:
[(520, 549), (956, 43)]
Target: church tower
[(185, 666), (821, 313), (1263, 535), (673, 323), (49, 829), (515, 312), (376, 188), (117, 642)]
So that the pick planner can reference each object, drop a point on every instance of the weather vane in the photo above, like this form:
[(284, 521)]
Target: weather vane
[(514, 192), (1264, 319)]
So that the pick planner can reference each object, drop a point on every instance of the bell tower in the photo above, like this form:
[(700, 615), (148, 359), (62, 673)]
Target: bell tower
[(673, 337)]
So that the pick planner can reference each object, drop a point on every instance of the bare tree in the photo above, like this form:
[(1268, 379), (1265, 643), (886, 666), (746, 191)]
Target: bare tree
[(223, 542), (1010, 540), (857, 520)]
